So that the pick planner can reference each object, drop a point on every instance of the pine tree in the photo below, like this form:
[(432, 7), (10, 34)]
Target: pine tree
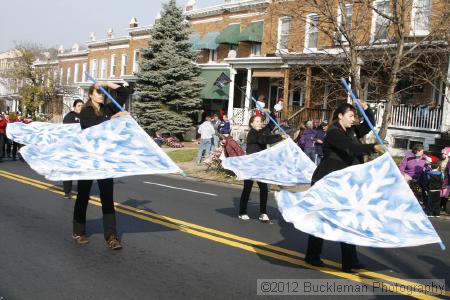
[(169, 85)]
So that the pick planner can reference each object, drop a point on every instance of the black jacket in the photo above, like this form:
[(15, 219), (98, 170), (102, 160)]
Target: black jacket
[(71, 117), (341, 148), (88, 117), (257, 140)]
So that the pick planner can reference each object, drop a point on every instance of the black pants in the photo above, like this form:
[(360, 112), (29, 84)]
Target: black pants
[(67, 187), (433, 203), (444, 201), (106, 187), (2, 145), (14, 146), (348, 251), (263, 194)]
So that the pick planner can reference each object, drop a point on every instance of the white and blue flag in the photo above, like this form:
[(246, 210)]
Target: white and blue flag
[(368, 205), (284, 164), (40, 133), (115, 148)]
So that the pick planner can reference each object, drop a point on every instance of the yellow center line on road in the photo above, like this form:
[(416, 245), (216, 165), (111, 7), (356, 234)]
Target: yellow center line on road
[(224, 237)]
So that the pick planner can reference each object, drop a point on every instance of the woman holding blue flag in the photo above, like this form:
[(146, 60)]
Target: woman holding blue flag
[(257, 140), (341, 149), (94, 112)]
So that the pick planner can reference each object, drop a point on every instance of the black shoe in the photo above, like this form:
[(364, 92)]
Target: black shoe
[(358, 266), (68, 196), (315, 263)]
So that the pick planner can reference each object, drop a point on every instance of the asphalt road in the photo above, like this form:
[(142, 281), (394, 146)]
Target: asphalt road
[(181, 238)]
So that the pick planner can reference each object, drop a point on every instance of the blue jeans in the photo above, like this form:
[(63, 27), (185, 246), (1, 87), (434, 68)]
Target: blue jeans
[(311, 153), (216, 140), (205, 145)]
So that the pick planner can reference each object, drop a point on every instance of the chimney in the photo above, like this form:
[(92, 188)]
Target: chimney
[(92, 37), (110, 33), (191, 5), (75, 47), (133, 22)]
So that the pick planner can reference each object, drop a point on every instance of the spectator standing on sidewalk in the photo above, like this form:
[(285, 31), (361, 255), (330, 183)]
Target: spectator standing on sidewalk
[(206, 131)]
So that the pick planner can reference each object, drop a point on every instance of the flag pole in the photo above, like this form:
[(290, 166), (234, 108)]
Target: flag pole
[(104, 91), (369, 123)]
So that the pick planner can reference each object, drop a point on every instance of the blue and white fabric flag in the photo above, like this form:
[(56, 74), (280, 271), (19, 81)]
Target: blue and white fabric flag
[(40, 133), (284, 164), (369, 205), (115, 148)]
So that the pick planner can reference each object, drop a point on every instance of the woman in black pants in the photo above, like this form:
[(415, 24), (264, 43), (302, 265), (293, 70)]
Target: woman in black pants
[(341, 149), (257, 140), (93, 113)]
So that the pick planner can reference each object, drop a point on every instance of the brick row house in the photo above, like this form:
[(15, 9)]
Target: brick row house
[(270, 48), (111, 59)]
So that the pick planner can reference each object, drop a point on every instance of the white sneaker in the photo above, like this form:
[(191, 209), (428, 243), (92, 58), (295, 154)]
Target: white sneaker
[(244, 217), (264, 218)]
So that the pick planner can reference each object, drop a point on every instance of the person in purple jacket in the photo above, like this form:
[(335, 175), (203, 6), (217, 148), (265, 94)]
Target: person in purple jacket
[(306, 141), (413, 164), (225, 126)]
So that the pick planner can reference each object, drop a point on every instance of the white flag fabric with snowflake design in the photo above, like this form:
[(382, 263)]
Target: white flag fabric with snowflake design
[(115, 148), (40, 133), (368, 205), (284, 164)]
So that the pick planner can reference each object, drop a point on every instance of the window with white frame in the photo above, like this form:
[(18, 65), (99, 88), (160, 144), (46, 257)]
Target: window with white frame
[(75, 73), (103, 68), (420, 17), (312, 31), (284, 26), (380, 24), (112, 71), (83, 75), (255, 49), (212, 55), (94, 68), (68, 75), (438, 92), (136, 57), (346, 18), (123, 68)]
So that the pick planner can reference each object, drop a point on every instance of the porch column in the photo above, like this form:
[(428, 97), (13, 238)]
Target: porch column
[(248, 95), (446, 107), (287, 73), (308, 87), (231, 93)]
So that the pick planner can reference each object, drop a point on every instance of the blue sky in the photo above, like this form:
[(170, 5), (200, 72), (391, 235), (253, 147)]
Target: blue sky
[(65, 22)]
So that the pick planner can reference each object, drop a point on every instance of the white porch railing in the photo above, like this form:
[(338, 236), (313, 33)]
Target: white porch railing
[(238, 116), (412, 117)]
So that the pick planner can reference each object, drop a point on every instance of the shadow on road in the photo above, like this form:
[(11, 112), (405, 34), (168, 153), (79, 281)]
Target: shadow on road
[(127, 224)]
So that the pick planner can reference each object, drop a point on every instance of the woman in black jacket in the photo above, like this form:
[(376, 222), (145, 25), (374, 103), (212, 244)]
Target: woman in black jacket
[(257, 140), (341, 149), (93, 113)]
